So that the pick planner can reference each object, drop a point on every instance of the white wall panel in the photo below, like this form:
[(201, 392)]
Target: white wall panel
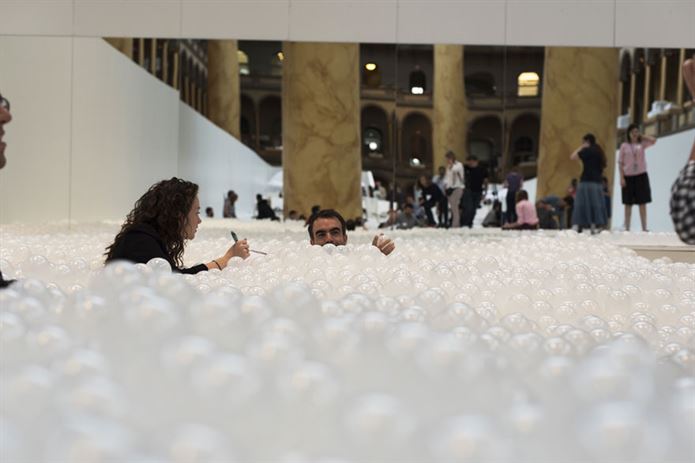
[(660, 23), (125, 132), (35, 74), (458, 21), (36, 17), (335, 21), (236, 19), (128, 18), (218, 162), (560, 22), (664, 161)]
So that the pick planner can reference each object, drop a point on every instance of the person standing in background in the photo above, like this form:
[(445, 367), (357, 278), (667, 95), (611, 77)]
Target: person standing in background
[(589, 205), (513, 182), (634, 180), (476, 184), (229, 210), (443, 206), (453, 181)]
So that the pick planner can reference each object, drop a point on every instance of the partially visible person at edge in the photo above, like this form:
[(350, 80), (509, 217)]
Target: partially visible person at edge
[(634, 180), (589, 205), (327, 226), (162, 220), (683, 190), (5, 118)]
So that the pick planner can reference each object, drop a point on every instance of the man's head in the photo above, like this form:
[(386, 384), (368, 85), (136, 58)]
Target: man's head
[(5, 118), (472, 160), (450, 157), (408, 209), (327, 226), (442, 170), (425, 181)]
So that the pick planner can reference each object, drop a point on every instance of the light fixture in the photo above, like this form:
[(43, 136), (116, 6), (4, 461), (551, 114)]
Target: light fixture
[(417, 90), (528, 84), (373, 145), (370, 66), (281, 56), (415, 162)]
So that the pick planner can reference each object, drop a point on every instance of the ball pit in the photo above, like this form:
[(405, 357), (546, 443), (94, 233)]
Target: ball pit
[(460, 346)]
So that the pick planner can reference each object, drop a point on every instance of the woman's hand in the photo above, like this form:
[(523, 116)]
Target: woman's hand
[(622, 182), (239, 249)]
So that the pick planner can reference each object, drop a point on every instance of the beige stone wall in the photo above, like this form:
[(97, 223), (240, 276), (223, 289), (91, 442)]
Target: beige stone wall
[(122, 44), (224, 107), (450, 112), (579, 96), (321, 127)]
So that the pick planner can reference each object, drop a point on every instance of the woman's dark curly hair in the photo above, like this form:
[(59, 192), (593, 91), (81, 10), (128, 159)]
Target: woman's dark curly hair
[(164, 207)]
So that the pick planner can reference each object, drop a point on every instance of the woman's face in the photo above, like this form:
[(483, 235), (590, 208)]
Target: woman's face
[(634, 134), (192, 220)]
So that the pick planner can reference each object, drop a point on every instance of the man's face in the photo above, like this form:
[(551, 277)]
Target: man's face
[(5, 118), (328, 230)]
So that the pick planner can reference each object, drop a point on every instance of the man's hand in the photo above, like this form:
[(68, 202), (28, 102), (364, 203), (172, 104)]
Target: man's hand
[(385, 245)]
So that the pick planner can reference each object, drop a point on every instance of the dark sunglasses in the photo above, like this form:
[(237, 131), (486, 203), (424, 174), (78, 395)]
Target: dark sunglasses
[(4, 102)]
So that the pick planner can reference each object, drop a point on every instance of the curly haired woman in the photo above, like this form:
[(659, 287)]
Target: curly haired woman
[(162, 219)]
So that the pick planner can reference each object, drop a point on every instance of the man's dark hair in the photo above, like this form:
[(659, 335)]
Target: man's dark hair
[(472, 157), (326, 214)]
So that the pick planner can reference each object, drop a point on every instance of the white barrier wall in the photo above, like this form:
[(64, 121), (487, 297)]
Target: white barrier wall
[(35, 185), (92, 131), (664, 161), (218, 163), (125, 132)]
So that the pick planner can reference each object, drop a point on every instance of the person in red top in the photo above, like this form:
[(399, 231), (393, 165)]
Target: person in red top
[(633, 174)]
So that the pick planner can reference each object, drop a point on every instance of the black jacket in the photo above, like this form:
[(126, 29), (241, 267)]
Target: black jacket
[(141, 244)]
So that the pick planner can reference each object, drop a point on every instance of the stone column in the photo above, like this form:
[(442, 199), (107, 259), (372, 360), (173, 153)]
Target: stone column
[(450, 112), (321, 156), (578, 97), (224, 108), (124, 45)]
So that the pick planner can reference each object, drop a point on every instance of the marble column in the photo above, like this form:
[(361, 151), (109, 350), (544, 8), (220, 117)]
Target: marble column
[(579, 96), (224, 107), (450, 112), (321, 156), (124, 45)]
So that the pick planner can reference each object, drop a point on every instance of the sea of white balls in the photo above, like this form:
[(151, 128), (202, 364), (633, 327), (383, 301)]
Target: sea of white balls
[(460, 346)]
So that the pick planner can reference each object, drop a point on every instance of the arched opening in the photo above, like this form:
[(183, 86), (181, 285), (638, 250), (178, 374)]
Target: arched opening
[(625, 73), (673, 68), (248, 122), (270, 116), (524, 134), (653, 61), (371, 75), (374, 122), (417, 81), (485, 140), (527, 84), (416, 141), (480, 84)]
